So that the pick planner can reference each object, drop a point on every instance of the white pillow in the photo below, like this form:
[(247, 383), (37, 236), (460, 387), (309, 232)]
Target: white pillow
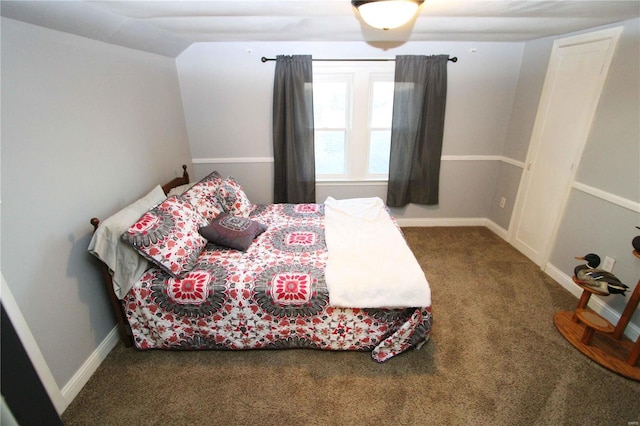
[(125, 264), (179, 190)]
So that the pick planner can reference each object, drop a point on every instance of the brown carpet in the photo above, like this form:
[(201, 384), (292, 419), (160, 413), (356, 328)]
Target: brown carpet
[(494, 358)]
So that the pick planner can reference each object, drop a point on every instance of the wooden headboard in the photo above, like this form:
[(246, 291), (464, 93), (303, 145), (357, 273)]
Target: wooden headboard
[(116, 305), (182, 180)]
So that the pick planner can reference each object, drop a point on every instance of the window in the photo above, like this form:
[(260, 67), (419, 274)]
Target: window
[(352, 114)]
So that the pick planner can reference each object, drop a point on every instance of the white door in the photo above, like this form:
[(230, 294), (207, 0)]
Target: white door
[(576, 74)]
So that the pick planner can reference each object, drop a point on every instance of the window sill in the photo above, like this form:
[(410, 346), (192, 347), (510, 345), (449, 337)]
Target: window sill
[(347, 182)]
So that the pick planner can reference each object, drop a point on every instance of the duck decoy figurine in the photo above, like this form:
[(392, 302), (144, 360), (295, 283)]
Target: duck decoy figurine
[(599, 279), (636, 242)]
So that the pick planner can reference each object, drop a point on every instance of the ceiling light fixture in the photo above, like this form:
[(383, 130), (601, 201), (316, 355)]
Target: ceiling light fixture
[(387, 14)]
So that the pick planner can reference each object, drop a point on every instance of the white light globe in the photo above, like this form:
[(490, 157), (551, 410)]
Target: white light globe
[(388, 14)]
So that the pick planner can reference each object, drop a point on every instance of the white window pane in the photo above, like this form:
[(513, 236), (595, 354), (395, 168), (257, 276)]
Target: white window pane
[(379, 146), (330, 152), (382, 104), (329, 104)]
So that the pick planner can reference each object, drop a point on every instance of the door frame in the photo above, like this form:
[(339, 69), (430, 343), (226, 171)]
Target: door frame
[(31, 347), (611, 34)]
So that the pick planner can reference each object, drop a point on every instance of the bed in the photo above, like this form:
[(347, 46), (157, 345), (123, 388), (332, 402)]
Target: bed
[(195, 266)]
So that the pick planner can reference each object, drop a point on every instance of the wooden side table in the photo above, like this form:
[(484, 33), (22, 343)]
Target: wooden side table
[(598, 339), (631, 307), (592, 322)]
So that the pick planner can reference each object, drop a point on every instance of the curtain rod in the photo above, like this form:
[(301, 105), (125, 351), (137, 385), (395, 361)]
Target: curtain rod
[(265, 59)]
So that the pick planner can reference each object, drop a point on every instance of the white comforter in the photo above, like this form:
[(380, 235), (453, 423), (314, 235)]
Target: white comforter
[(369, 263)]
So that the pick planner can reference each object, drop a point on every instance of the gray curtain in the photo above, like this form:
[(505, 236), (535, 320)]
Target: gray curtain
[(293, 144), (417, 126)]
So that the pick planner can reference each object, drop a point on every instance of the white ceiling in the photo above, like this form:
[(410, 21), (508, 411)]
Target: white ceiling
[(170, 26)]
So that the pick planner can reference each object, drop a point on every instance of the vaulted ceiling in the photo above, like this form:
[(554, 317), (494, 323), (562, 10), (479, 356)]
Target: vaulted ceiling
[(168, 27)]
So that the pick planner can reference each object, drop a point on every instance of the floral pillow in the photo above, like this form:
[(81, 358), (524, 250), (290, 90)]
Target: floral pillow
[(168, 236), (213, 176), (232, 231), (233, 199), (203, 196)]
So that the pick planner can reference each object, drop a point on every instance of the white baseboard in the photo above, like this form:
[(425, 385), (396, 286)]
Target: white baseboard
[(82, 376), (471, 221), (497, 229), (468, 221), (632, 331)]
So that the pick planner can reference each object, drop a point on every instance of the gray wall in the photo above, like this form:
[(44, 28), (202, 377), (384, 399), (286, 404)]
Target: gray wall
[(87, 128), (522, 118), (603, 219), (609, 167), (226, 91)]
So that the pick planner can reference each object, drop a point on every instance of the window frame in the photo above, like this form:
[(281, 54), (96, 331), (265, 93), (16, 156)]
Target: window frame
[(360, 78), (346, 78)]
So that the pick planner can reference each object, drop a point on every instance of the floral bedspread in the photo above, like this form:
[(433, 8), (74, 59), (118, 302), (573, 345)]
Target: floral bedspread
[(271, 296)]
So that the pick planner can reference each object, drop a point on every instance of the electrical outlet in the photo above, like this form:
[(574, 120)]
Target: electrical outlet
[(503, 201), (608, 264)]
